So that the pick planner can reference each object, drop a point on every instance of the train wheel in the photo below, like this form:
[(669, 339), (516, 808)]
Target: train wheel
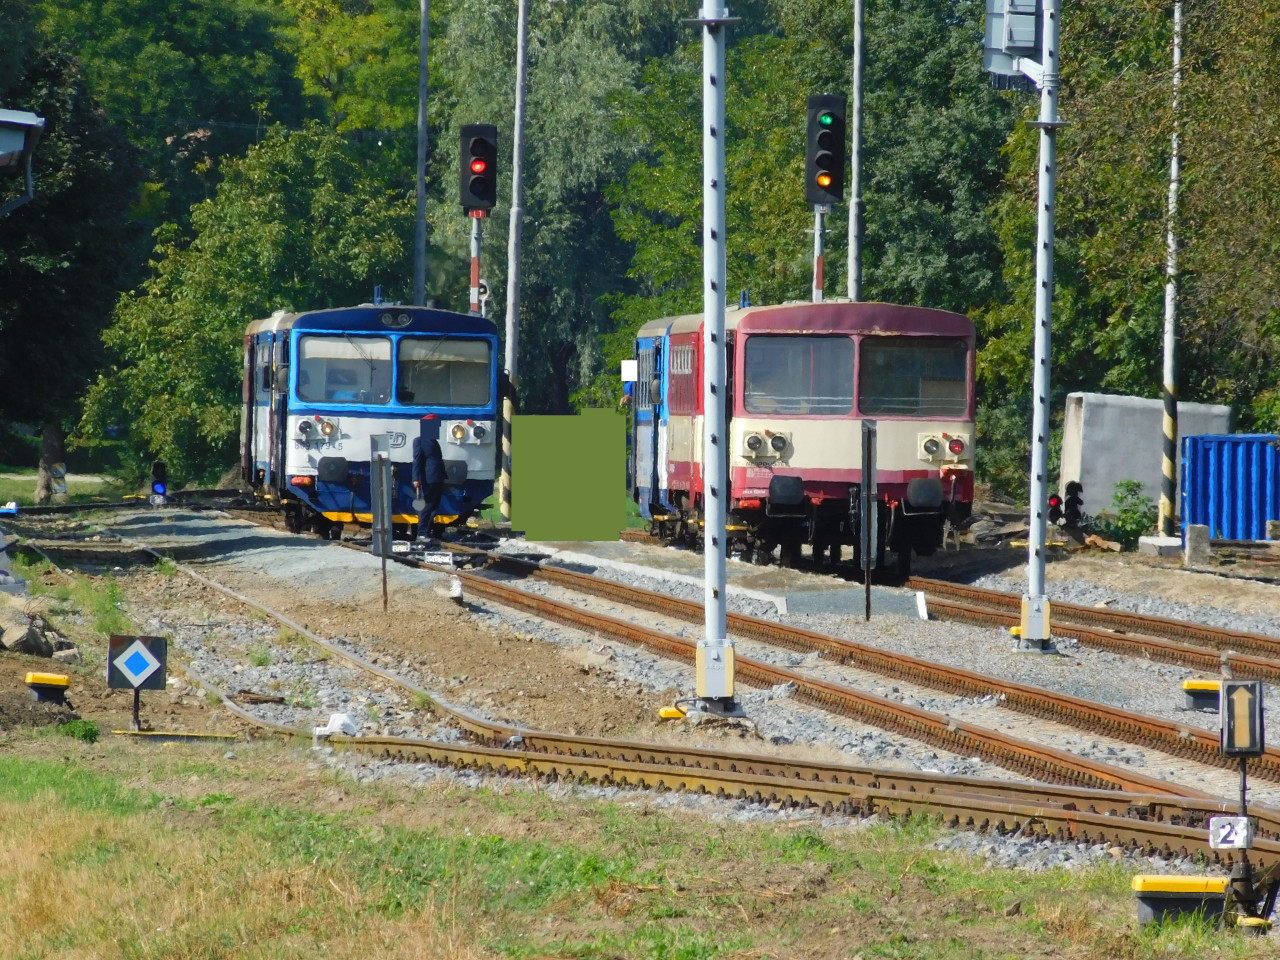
[(334, 532), (764, 553), (835, 554), (292, 519)]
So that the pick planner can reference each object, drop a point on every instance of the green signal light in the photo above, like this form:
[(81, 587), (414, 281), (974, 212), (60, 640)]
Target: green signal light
[(826, 119)]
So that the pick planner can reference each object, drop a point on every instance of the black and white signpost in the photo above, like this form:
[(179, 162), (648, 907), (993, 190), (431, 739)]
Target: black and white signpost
[(137, 664)]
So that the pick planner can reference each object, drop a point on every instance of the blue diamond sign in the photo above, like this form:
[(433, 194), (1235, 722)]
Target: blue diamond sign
[(136, 663)]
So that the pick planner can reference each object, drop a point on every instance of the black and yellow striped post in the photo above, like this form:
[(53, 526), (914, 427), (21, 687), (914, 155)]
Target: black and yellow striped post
[(504, 476), (1169, 461)]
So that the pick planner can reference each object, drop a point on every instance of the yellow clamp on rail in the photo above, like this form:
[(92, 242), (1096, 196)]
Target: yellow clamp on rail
[(1214, 685), (1158, 883), (671, 713), (47, 680)]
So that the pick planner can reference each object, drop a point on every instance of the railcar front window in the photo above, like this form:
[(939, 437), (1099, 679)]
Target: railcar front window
[(913, 377), (799, 375), (443, 371), (344, 369)]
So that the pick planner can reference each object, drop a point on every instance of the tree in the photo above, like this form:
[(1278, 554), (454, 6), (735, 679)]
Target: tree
[(189, 81), (63, 256), (931, 166), (298, 223)]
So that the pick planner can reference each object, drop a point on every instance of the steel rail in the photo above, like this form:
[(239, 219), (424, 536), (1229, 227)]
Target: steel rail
[(1175, 739), (1152, 823), (1070, 619)]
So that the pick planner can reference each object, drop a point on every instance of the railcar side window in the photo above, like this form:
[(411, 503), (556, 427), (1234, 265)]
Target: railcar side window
[(344, 369), (913, 377), (443, 371), (798, 375)]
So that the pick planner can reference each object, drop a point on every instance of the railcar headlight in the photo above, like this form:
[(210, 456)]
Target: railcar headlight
[(328, 428), (478, 431), (754, 442), (779, 442), (930, 446), (956, 446), (305, 427), (458, 432)]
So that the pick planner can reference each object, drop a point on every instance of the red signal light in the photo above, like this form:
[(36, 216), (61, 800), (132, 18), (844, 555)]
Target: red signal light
[(1055, 501), (479, 165)]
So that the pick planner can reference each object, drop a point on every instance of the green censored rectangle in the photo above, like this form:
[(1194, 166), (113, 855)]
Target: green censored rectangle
[(568, 476)]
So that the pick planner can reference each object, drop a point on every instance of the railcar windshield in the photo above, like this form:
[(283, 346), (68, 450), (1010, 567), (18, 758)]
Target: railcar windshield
[(344, 369), (443, 371), (798, 375), (913, 377)]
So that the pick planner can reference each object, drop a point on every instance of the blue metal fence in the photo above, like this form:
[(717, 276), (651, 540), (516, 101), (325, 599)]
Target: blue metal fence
[(1231, 484)]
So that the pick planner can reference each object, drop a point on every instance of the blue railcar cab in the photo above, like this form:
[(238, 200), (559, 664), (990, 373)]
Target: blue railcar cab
[(319, 384)]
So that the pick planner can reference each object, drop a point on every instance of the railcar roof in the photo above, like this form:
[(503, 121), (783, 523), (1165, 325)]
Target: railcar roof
[(367, 317), (830, 316)]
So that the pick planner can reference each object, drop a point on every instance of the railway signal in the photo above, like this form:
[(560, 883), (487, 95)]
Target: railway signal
[(824, 149), (1073, 508), (1055, 509), (159, 478), (478, 168)]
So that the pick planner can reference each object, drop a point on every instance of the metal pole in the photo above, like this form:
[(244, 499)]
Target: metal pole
[(817, 252), (420, 227), (513, 262), (1169, 462), (137, 702), (855, 162), (1035, 608), (477, 226)]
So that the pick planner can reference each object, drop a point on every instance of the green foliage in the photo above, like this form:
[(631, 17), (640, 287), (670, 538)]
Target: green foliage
[(188, 82), (65, 255), (298, 223), (80, 729), (260, 654), (1132, 515)]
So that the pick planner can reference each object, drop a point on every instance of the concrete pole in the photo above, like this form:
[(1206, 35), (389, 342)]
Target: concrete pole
[(1169, 462), (715, 651), (817, 252), (477, 228), (513, 262), (855, 161), (1035, 606), (420, 226)]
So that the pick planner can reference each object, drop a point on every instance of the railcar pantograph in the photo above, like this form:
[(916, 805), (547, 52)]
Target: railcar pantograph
[(801, 379), (319, 384)]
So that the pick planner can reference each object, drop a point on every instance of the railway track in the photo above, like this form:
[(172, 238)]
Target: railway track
[(1023, 757), (1151, 821), (1171, 738), (1252, 656)]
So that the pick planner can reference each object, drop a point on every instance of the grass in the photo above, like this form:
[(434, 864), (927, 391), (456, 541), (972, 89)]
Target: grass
[(208, 862), (101, 601), (22, 488), (260, 654)]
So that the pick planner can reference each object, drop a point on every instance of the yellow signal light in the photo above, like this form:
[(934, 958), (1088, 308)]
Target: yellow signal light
[(824, 180)]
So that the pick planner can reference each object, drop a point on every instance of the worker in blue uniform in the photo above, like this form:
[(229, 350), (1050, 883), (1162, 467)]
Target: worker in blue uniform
[(428, 482)]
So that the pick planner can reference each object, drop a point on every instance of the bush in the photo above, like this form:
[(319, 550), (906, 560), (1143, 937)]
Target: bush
[(85, 730), (1133, 515)]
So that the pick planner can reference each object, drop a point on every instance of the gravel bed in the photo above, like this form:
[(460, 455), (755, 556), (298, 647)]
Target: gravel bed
[(222, 646), (1136, 685)]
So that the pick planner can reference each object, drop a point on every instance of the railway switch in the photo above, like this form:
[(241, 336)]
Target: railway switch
[(1201, 694)]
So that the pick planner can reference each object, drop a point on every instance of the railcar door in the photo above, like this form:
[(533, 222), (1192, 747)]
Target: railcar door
[(263, 432), (246, 415), (646, 429)]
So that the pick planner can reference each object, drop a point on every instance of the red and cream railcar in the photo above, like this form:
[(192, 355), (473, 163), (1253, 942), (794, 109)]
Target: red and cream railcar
[(802, 379)]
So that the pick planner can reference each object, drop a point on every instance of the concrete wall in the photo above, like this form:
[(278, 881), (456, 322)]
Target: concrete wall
[(1107, 439)]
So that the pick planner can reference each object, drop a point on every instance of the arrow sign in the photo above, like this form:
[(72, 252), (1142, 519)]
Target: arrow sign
[(1241, 712)]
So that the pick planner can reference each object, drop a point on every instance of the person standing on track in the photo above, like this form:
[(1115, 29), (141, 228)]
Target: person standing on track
[(428, 482)]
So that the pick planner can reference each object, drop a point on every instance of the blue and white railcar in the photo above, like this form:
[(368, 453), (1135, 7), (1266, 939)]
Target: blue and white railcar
[(319, 384)]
